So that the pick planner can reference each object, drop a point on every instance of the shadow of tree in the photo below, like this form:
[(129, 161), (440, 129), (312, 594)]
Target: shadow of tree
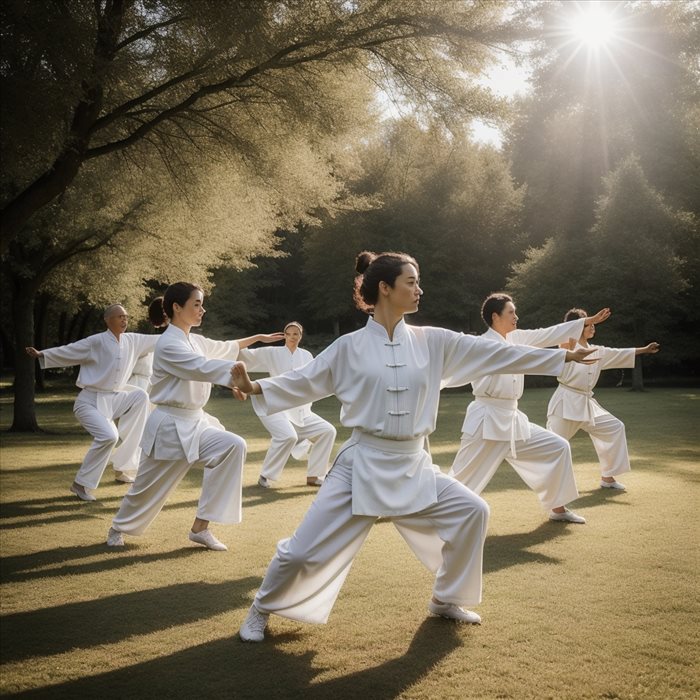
[(32, 566), (114, 618), (228, 668)]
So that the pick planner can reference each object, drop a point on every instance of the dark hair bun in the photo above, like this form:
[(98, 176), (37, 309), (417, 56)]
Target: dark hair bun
[(156, 312), (363, 261)]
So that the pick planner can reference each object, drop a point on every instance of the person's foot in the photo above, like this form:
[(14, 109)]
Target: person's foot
[(314, 481), (81, 492), (124, 477), (300, 451), (567, 516), (206, 538), (453, 612), (253, 627), (262, 481), (612, 485), (115, 538)]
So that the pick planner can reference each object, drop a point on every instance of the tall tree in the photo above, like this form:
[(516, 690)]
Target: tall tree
[(120, 74), (629, 261), (172, 107)]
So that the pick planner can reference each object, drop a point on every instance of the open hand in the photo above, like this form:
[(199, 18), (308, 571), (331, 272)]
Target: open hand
[(33, 352), (580, 355), (270, 337), (602, 315), (240, 380)]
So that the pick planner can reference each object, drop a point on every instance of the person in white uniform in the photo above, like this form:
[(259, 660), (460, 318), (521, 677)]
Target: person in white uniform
[(573, 408), (494, 429), (387, 376), (178, 432), (106, 362), (298, 427)]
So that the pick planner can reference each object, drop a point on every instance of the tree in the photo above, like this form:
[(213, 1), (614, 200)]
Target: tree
[(120, 75), (591, 107), (629, 262), (182, 115), (448, 202)]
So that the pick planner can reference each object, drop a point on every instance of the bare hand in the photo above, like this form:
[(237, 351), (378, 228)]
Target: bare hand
[(33, 352), (270, 337), (241, 380), (652, 348), (580, 355), (238, 394), (602, 315)]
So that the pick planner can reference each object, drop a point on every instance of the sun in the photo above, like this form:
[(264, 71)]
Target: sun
[(592, 24)]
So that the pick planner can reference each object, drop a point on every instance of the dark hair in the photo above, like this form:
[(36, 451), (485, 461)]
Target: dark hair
[(156, 315), (161, 308), (494, 304), (373, 268), (573, 314)]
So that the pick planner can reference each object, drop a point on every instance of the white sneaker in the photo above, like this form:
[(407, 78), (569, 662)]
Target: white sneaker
[(253, 627), (124, 477), (83, 494), (206, 538), (568, 516), (453, 612), (262, 481), (612, 485), (301, 450), (115, 538)]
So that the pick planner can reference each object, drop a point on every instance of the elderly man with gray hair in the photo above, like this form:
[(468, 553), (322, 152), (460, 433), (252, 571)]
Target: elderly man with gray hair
[(106, 361)]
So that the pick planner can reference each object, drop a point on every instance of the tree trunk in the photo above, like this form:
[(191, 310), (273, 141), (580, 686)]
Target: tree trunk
[(40, 324), (24, 419)]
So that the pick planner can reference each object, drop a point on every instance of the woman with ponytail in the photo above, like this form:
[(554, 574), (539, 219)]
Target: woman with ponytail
[(388, 377), (178, 432)]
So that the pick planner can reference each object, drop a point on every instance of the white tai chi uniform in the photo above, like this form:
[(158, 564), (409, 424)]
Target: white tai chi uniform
[(494, 429), (290, 427), (179, 434), (105, 366), (389, 391), (141, 374), (572, 407)]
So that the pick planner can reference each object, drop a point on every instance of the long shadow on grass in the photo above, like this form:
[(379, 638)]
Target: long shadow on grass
[(502, 551), (112, 619), (35, 512), (227, 668), (29, 567)]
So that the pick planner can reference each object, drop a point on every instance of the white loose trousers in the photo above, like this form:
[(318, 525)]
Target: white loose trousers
[(543, 462), (308, 570), (608, 437), (96, 412), (220, 453), (285, 435)]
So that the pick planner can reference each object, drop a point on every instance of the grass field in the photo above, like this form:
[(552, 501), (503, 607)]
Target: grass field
[(604, 610)]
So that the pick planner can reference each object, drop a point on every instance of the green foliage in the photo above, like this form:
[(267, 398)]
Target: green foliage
[(449, 203)]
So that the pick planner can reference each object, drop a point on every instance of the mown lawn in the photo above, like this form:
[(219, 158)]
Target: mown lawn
[(605, 610)]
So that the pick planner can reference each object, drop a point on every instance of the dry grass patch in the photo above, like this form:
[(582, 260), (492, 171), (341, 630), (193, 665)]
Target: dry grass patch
[(605, 610)]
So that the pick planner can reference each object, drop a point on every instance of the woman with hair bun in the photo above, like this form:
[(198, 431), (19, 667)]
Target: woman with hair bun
[(297, 428), (573, 408), (143, 368), (178, 432), (388, 377)]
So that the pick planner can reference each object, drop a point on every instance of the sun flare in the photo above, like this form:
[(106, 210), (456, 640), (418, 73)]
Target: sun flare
[(592, 24)]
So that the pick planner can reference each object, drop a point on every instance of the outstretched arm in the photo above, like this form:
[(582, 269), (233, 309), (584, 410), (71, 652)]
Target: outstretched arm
[(260, 338), (650, 349)]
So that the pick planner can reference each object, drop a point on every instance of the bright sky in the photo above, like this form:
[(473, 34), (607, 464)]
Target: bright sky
[(505, 79)]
